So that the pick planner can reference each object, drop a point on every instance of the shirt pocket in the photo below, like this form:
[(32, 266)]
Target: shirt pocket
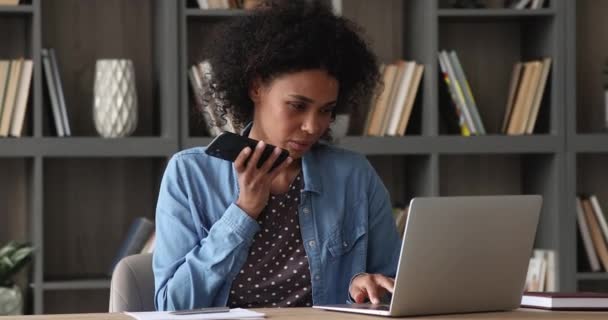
[(347, 240)]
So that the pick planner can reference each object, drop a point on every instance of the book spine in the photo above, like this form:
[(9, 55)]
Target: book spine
[(60, 96), (52, 92), (464, 127)]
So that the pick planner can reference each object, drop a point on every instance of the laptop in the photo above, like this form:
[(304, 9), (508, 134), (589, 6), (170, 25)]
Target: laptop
[(460, 255)]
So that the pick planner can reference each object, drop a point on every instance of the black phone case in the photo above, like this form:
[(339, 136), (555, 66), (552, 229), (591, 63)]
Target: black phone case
[(228, 145)]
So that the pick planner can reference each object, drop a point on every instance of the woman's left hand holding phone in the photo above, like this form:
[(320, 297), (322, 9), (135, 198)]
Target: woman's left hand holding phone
[(254, 182)]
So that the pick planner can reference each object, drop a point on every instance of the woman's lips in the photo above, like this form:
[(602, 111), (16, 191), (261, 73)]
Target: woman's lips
[(298, 145)]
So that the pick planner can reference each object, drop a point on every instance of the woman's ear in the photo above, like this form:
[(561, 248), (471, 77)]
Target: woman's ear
[(255, 90)]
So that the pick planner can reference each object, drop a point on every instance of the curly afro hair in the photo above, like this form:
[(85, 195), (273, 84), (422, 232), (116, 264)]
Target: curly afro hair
[(281, 37)]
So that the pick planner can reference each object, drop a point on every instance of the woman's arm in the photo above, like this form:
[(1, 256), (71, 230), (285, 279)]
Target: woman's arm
[(191, 272)]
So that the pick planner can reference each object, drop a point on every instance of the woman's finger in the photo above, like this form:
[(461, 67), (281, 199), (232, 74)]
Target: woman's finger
[(274, 172), (358, 294), (373, 291), (385, 282), (271, 159), (241, 159), (255, 157)]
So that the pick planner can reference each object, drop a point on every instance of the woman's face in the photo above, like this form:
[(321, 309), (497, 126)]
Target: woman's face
[(294, 110)]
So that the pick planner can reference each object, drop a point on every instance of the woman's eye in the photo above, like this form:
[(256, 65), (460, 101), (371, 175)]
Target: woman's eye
[(297, 106)]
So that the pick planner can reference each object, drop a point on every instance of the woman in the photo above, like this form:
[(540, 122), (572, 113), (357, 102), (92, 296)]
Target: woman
[(318, 229)]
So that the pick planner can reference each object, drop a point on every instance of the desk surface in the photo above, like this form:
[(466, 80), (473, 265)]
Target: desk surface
[(315, 314)]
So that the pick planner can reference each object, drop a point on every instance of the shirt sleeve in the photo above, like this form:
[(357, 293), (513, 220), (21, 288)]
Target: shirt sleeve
[(191, 266)]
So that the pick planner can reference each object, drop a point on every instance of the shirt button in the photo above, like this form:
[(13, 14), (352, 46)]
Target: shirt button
[(344, 244), (311, 243), (317, 277), (306, 211)]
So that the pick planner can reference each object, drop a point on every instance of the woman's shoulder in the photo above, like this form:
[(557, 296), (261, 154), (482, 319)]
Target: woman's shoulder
[(196, 157), (345, 157)]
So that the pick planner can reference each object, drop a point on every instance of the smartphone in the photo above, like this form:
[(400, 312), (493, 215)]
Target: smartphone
[(201, 310), (228, 145)]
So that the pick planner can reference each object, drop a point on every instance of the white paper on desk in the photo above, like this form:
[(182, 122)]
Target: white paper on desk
[(236, 313)]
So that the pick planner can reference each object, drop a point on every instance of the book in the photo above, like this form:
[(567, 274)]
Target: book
[(135, 239), (599, 213), (50, 84), (565, 301), (400, 97), (381, 106), (9, 2), (596, 233), (409, 103), (5, 71), (458, 94), (396, 91), (60, 97), (513, 87), (463, 124), (10, 97), (583, 228), (538, 95), (23, 94), (523, 102), (467, 93)]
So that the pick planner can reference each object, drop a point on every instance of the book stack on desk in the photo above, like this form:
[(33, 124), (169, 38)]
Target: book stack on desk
[(565, 301)]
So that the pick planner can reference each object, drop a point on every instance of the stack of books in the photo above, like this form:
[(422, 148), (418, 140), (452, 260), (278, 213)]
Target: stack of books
[(390, 113), (528, 82), (15, 82), (542, 271), (593, 230)]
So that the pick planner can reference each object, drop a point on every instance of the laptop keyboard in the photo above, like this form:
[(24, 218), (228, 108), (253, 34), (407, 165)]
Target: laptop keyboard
[(369, 306)]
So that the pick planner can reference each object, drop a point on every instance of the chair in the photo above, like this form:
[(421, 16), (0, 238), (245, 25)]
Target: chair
[(132, 287)]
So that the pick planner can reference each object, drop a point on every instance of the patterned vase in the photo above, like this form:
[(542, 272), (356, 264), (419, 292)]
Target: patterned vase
[(115, 98), (11, 301)]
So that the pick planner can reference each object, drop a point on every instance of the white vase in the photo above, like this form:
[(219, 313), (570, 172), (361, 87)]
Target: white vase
[(11, 301), (115, 98)]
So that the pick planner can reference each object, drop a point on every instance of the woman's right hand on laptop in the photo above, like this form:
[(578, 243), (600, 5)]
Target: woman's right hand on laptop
[(370, 286)]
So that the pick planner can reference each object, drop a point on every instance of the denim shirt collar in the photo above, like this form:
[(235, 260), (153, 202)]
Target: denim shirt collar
[(312, 180)]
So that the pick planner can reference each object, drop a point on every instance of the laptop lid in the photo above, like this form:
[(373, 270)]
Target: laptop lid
[(465, 254)]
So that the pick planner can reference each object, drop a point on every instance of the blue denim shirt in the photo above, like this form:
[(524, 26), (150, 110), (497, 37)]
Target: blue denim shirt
[(203, 237)]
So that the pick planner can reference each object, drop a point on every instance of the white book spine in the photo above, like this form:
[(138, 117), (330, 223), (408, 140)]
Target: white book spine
[(404, 85)]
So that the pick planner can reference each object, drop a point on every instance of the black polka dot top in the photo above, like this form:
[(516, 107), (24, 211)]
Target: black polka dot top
[(276, 273)]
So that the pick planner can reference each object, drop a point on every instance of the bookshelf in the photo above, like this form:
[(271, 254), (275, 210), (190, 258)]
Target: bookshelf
[(587, 142), (75, 197)]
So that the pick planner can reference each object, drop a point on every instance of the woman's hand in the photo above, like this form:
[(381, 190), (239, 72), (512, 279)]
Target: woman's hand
[(254, 182), (370, 286)]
